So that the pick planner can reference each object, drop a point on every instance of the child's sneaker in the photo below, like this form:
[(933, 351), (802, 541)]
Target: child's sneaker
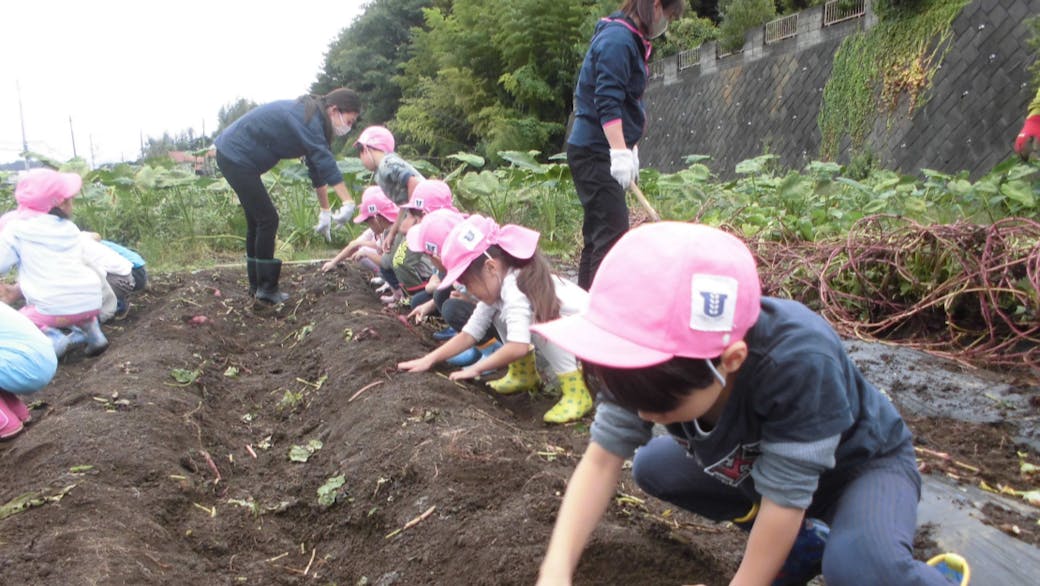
[(806, 557), (376, 281), (384, 288), (468, 356), (953, 567)]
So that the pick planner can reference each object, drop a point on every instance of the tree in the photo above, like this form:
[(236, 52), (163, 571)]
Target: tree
[(368, 54), (230, 112), (740, 15), (497, 79)]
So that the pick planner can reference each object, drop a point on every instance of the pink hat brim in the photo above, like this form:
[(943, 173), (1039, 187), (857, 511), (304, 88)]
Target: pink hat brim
[(453, 275), (586, 340)]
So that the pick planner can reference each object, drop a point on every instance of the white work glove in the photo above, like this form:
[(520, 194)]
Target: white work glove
[(344, 213), (635, 165), (324, 225), (623, 167)]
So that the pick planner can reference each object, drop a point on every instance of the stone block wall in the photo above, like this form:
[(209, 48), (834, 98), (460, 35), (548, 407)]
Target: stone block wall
[(767, 98)]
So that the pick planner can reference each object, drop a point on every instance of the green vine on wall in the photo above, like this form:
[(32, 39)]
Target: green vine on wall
[(873, 70)]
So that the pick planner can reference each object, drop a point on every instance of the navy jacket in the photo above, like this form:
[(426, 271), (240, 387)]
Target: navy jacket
[(276, 131), (611, 83)]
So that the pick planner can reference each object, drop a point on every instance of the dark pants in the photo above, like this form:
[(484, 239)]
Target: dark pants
[(140, 275), (606, 212), (456, 312), (872, 514), (261, 215)]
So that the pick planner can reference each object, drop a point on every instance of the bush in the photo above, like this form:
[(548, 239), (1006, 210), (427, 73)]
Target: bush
[(737, 17)]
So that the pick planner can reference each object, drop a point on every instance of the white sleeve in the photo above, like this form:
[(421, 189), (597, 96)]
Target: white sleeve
[(517, 313), (480, 320)]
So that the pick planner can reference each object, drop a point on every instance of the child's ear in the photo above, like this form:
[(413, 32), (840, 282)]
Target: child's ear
[(733, 356)]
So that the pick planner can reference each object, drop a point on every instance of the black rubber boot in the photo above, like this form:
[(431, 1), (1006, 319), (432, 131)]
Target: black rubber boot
[(267, 274), (251, 272)]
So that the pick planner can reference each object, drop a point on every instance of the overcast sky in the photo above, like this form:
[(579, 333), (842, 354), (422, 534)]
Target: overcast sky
[(120, 68)]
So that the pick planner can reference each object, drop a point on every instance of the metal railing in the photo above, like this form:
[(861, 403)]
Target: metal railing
[(781, 28), (689, 58), (837, 11)]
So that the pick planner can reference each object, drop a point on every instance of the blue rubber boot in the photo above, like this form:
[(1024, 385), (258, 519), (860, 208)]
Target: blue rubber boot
[(468, 356), (63, 342), (96, 340), (804, 561), (445, 334)]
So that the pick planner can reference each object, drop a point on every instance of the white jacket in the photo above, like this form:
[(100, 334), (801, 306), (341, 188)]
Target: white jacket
[(52, 271)]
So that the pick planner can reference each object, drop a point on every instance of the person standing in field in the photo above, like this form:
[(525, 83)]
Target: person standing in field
[(609, 119), (254, 143), (1028, 140)]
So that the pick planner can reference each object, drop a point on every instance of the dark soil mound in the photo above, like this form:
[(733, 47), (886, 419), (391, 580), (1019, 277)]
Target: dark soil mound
[(167, 459)]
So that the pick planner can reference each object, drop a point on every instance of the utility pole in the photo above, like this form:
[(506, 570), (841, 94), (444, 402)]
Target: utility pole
[(21, 115), (92, 164), (73, 133)]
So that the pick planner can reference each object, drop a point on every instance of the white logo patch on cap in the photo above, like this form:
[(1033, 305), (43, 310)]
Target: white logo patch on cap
[(471, 238), (712, 302)]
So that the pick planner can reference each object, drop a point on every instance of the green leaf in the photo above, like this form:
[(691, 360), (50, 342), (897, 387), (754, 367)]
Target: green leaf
[(1020, 192), (299, 454), (468, 158), (184, 376), (328, 492)]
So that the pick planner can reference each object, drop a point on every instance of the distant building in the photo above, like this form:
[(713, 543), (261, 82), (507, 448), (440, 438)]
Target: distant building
[(199, 164)]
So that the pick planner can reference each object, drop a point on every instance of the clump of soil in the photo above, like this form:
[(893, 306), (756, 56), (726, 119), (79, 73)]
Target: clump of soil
[(167, 459)]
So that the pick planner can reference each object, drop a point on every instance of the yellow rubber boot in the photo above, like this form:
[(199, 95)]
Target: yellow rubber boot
[(521, 376), (575, 400)]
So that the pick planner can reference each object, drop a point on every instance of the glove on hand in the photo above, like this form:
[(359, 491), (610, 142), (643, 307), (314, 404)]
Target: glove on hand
[(324, 225), (623, 166), (1028, 137), (344, 213), (635, 157)]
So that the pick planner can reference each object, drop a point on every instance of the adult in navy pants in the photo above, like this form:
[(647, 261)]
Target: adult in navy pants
[(256, 142), (609, 120)]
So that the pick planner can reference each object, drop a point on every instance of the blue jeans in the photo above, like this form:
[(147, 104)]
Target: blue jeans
[(872, 514)]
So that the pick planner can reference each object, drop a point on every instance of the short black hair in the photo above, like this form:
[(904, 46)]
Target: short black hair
[(654, 389)]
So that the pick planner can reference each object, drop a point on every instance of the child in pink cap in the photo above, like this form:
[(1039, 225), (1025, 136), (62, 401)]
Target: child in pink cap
[(378, 213), (514, 284), (60, 290), (770, 424), (394, 175)]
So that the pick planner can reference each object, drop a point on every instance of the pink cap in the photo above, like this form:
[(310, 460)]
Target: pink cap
[(430, 195), (664, 290), (376, 137), (429, 234), (373, 202), (474, 235), (42, 189)]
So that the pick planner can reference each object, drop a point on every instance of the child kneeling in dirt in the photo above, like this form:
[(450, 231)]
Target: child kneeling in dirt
[(60, 289), (515, 286), (770, 423), (27, 364)]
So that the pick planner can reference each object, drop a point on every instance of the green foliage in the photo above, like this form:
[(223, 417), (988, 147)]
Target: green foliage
[(368, 54), (686, 33), (1034, 42), (495, 79), (876, 70), (230, 112), (737, 17)]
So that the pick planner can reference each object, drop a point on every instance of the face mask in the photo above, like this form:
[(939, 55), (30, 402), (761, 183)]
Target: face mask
[(659, 27), (342, 128)]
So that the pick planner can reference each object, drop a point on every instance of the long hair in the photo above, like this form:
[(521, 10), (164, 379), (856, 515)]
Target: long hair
[(535, 280), (654, 389), (344, 99), (643, 10)]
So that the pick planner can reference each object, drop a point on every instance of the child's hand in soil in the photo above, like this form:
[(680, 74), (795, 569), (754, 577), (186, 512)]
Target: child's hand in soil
[(468, 372), (418, 365)]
